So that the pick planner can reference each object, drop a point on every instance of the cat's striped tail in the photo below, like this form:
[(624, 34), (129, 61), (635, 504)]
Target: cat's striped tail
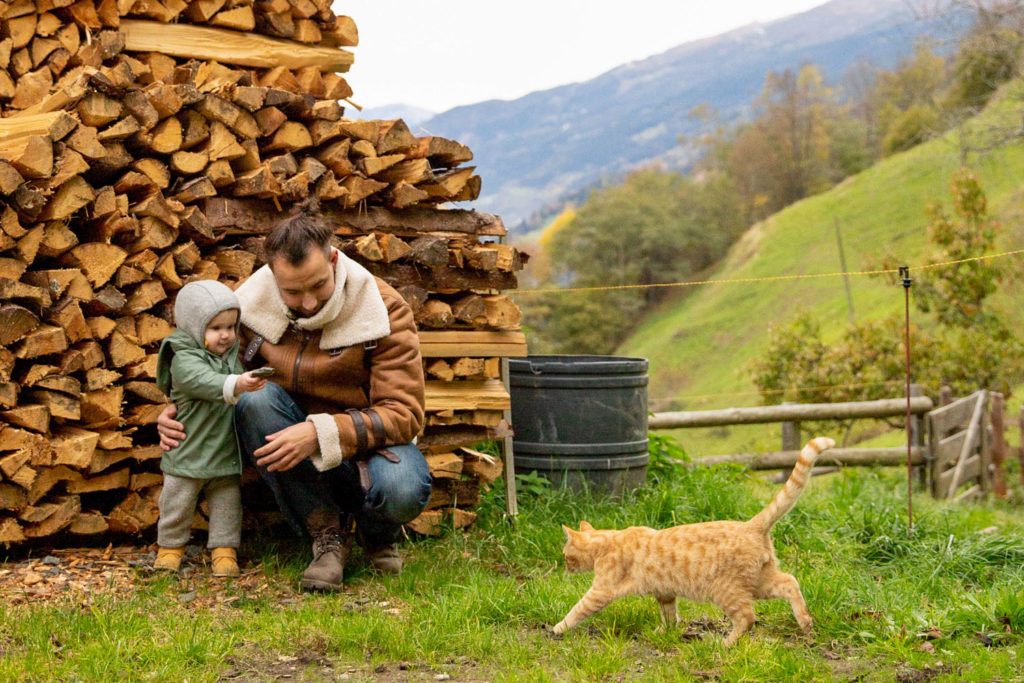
[(786, 498)]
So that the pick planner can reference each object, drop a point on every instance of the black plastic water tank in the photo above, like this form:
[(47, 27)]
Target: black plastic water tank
[(581, 418)]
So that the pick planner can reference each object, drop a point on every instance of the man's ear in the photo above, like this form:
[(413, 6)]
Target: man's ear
[(334, 257)]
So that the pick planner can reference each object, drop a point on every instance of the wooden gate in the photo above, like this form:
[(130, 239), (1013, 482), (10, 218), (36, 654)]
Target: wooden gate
[(960, 448)]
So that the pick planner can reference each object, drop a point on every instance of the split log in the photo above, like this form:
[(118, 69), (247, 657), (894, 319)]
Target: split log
[(430, 522), (483, 466), (88, 522), (445, 465), (10, 531), (229, 47)]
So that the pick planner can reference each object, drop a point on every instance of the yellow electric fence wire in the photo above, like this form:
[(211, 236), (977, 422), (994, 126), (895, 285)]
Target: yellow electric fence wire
[(769, 278)]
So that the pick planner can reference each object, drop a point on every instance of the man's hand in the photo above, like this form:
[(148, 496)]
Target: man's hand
[(172, 432), (287, 448)]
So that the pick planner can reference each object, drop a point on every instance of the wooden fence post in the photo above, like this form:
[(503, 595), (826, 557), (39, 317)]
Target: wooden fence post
[(1020, 449), (998, 445), (945, 395), (790, 433), (790, 442), (916, 429)]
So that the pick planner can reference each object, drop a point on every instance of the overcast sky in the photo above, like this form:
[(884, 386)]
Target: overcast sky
[(438, 55)]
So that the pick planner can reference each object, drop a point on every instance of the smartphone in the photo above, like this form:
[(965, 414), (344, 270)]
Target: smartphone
[(263, 372)]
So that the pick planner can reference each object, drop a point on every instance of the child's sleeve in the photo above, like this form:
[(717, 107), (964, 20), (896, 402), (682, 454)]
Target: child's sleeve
[(193, 377)]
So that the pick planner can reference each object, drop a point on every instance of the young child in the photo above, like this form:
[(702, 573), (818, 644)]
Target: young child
[(199, 369)]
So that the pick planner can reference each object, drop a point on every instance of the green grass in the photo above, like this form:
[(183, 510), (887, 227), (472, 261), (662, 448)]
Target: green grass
[(474, 605), (700, 341)]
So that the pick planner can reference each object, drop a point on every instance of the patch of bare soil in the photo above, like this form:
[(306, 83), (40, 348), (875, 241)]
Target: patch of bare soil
[(83, 574), (256, 665), (908, 674)]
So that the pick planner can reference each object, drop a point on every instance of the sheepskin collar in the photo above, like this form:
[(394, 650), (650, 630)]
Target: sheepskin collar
[(354, 314)]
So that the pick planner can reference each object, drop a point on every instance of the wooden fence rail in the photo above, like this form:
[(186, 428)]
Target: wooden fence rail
[(834, 456), (889, 407)]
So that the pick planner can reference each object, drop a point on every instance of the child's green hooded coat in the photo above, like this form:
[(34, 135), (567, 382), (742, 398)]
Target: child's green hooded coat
[(201, 384)]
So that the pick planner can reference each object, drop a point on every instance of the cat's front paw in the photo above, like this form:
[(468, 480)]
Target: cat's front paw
[(559, 628)]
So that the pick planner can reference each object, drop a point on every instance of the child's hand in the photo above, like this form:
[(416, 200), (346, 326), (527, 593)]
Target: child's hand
[(246, 382)]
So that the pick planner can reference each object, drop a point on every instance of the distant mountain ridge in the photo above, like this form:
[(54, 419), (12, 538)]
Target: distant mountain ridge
[(535, 149)]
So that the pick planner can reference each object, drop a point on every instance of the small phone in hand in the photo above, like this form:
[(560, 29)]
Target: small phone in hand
[(262, 373)]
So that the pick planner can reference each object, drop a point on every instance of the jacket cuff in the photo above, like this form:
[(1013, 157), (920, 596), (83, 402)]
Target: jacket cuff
[(229, 390), (327, 436)]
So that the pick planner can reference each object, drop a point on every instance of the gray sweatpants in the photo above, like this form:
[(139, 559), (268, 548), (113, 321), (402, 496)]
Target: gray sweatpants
[(178, 508)]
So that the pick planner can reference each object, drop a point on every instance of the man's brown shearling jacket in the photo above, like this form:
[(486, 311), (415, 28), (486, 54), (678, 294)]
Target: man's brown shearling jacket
[(386, 374)]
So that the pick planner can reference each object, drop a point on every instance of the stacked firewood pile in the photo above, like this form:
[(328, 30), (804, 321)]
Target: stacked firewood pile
[(147, 143)]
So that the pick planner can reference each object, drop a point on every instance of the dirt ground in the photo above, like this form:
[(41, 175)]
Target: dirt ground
[(82, 574)]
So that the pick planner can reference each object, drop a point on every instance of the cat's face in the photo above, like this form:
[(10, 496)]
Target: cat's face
[(578, 553)]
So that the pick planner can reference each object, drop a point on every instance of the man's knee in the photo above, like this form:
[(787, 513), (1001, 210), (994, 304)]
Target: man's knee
[(400, 491)]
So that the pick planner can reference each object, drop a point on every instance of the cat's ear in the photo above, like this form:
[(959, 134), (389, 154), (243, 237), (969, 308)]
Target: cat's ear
[(569, 532), (585, 526)]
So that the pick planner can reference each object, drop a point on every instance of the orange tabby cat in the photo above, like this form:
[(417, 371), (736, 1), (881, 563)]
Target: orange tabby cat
[(728, 563)]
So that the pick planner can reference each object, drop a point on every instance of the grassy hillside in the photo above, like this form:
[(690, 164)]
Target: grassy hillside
[(700, 341)]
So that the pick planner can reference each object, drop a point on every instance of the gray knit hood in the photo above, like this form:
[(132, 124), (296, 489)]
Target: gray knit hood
[(198, 303)]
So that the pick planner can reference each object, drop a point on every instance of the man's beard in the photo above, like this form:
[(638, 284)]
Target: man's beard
[(296, 313)]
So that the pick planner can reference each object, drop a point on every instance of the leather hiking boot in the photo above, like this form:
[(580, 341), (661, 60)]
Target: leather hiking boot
[(169, 559), (326, 571), (386, 559), (224, 562)]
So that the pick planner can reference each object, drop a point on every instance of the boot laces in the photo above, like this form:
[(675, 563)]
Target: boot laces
[(327, 540)]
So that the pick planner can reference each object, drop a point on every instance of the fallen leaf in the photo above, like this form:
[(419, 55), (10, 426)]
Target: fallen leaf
[(926, 647)]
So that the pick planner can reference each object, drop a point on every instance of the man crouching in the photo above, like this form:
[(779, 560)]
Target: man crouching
[(332, 431)]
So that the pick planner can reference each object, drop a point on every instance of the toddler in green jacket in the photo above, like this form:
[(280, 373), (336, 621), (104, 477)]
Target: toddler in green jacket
[(199, 369)]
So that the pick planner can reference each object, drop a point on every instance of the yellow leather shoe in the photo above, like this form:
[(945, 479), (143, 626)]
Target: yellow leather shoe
[(169, 559), (225, 562)]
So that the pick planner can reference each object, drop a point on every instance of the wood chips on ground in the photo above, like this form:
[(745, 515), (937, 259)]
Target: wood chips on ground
[(85, 574)]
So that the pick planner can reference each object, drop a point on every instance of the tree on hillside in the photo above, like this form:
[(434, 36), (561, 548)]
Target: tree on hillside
[(783, 155), (988, 55), (908, 99), (957, 293), (860, 94)]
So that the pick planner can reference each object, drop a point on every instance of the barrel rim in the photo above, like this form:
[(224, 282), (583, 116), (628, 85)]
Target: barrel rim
[(575, 364)]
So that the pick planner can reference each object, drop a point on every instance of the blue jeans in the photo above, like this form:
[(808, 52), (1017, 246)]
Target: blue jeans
[(398, 491)]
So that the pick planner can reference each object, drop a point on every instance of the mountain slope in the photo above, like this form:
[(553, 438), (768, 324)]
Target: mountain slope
[(699, 344), (538, 147)]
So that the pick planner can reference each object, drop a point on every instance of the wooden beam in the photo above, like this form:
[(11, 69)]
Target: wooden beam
[(229, 47), (487, 394), (472, 343)]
